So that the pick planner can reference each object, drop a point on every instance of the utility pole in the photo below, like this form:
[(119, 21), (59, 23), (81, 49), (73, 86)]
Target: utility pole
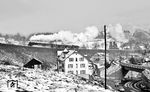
[(105, 57), (57, 64)]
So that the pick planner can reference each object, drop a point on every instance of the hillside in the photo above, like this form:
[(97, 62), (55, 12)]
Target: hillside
[(19, 55), (138, 38), (141, 35)]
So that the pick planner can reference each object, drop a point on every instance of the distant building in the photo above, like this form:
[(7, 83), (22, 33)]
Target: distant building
[(75, 63), (127, 34), (113, 45), (100, 44), (128, 46), (2, 40)]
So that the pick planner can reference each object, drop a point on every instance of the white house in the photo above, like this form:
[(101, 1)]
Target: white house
[(75, 63)]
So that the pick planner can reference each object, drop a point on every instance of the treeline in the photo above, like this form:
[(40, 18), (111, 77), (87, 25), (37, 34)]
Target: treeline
[(17, 36)]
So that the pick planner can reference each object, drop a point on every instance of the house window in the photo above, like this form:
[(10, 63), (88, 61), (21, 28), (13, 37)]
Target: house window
[(70, 59), (70, 65), (76, 59), (82, 72), (76, 65), (70, 72), (81, 59), (82, 65), (90, 67)]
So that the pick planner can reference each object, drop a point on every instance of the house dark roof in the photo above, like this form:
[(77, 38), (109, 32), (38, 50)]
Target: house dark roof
[(33, 61)]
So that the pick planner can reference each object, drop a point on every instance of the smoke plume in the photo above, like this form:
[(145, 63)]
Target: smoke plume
[(67, 37), (117, 32)]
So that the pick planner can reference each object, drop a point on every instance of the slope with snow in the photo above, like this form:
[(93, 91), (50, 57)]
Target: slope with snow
[(44, 81), (112, 71)]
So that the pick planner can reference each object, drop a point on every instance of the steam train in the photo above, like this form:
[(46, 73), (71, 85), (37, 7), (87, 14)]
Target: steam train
[(50, 45)]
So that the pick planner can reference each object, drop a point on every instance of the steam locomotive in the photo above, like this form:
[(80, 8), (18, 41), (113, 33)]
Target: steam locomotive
[(50, 45)]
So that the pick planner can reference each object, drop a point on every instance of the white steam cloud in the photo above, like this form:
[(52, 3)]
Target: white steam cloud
[(67, 37), (117, 32), (82, 39)]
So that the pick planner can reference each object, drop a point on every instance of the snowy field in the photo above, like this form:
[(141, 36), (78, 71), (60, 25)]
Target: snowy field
[(30, 80)]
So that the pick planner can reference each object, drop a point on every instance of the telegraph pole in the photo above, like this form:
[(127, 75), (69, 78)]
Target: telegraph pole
[(105, 56)]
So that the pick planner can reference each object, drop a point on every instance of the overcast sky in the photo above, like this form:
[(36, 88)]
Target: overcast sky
[(28, 16)]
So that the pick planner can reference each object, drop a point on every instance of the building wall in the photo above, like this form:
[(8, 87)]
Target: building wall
[(76, 69)]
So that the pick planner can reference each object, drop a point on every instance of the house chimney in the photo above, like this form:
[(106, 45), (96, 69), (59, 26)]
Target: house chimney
[(65, 51)]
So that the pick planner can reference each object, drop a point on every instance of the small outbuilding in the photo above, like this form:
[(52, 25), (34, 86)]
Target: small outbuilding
[(34, 63)]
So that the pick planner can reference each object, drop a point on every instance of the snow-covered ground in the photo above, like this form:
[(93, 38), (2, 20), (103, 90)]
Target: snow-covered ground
[(112, 69), (31, 80)]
